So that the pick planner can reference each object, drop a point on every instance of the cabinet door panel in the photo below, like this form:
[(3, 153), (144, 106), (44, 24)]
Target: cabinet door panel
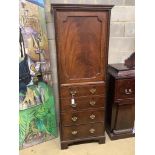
[(81, 43), (124, 115)]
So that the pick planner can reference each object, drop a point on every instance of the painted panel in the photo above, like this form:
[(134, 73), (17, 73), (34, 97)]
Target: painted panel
[(37, 116)]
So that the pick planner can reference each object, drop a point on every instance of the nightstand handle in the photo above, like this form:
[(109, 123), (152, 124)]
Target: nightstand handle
[(128, 91), (74, 132)]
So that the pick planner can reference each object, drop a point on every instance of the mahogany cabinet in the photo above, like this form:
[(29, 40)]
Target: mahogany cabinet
[(120, 113), (82, 38)]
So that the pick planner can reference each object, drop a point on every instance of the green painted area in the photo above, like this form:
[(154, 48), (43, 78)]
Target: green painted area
[(40, 119)]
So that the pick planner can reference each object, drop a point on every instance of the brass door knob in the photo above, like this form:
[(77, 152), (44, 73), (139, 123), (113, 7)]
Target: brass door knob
[(74, 118), (92, 103), (92, 116), (74, 132), (92, 90), (92, 130)]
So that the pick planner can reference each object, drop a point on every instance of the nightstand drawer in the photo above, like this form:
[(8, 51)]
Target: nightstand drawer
[(82, 117), (82, 90), (125, 88), (83, 103), (83, 131)]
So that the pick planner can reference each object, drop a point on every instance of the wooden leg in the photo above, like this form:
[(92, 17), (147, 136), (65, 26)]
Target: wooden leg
[(64, 146), (101, 141)]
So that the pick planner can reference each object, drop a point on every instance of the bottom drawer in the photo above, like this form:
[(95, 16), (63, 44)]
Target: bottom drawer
[(82, 131)]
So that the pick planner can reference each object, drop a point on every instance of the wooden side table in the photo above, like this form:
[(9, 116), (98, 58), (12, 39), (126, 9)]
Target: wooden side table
[(120, 114)]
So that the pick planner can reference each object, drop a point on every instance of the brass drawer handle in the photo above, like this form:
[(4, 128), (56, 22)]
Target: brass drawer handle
[(92, 103), (73, 92), (74, 132), (74, 118), (92, 116), (128, 91), (92, 130), (92, 90)]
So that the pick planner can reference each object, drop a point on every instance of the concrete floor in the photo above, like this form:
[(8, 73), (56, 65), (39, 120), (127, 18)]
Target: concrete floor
[(117, 147)]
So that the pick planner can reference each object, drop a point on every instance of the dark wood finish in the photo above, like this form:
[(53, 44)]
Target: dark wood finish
[(120, 113), (82, 38), (81, 131), (79, 62), (125, 88), (99, 139), (130, 62), (82, 117), (90, 102), (124, 115), (121, 71), (119, 136), (84, 90)]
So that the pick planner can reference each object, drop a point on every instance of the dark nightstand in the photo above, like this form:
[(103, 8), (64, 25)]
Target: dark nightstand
[(120, 114)]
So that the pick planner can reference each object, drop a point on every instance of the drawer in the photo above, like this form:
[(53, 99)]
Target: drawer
[(82, 117), (82, 90), (125, 88), (83, 131), (82, 103)]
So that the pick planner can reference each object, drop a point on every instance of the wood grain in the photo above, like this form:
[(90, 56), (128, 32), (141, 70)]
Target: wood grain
[(120, 114), (82, 39)]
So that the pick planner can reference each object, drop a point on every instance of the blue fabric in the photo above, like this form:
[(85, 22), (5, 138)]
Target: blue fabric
[(37, 2)]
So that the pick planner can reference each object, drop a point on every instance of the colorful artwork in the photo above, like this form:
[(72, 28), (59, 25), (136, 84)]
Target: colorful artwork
[(37, 117)]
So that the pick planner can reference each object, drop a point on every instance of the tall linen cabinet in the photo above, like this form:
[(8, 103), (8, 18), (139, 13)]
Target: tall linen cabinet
[(82, 38)]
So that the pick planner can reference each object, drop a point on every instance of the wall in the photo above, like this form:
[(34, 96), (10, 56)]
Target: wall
[(122, 33)]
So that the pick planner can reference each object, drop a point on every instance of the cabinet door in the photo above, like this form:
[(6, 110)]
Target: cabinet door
[(81, 45), (124, 116)]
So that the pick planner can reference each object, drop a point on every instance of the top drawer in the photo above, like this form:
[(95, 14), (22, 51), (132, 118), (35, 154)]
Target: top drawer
[(82, 90), (125, 88)]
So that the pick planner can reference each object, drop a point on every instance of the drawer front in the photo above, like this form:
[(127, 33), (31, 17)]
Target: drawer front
[(82, 117), (83, 103), (83, 131), (83, 90), (125, 88)]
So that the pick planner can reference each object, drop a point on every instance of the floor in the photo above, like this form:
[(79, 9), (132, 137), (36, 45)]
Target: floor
[(117, 147)]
